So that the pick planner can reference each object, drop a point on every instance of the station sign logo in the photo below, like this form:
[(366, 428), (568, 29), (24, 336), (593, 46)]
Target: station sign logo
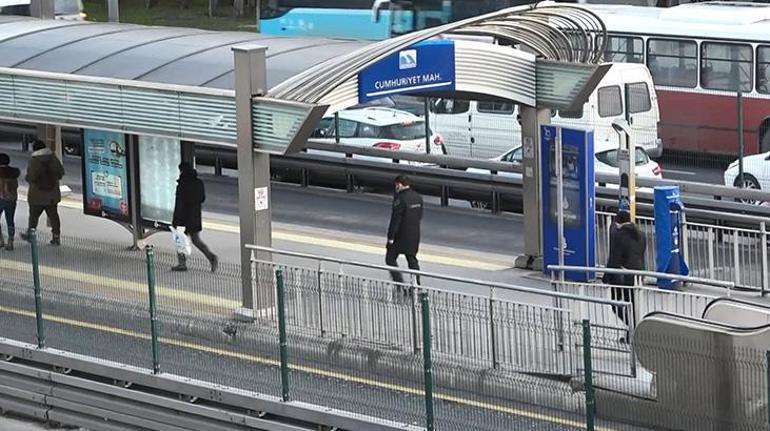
[(407, 59)]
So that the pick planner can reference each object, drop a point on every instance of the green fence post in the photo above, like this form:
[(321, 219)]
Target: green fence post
[(590, 399), (38, 289), (427, 361), (150, 253), (283, 344), (767, 354)]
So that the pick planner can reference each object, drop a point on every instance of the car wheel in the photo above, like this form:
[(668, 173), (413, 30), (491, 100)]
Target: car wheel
[(71, 149), (747, 182), (481, 205)]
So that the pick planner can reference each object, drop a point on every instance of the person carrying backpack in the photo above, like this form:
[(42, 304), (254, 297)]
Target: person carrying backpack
[(9, 184), (43, 174)]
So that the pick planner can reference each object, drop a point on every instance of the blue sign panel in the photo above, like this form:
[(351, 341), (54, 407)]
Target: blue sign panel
[(668, 234), (426, 66), (578, 204), (105, 175)]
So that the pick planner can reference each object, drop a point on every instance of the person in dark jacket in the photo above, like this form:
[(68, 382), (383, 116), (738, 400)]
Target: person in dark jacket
[(404, 228), (44, 172), (9, 185), (190, 195), (627, 249)]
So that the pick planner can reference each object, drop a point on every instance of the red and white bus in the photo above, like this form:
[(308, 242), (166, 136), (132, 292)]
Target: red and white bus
[(700, 55)]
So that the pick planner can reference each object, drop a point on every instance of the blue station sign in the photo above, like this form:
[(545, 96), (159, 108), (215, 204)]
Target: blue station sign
[(426, 66)]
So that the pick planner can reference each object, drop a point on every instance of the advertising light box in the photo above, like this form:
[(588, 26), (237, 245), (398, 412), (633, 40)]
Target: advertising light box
[(105, 175), (159, 159)]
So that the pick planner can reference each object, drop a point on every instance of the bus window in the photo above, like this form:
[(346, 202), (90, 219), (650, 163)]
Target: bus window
[(501, 108), (639, 98), (610, 102), (763, 69), (726, 66), (622, 49), (578, 113), (449, 106), (673, 62)]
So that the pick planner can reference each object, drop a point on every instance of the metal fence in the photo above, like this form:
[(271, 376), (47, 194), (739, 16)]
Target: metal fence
[(730, 254)]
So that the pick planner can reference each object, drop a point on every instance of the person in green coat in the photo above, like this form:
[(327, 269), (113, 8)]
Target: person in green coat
[(44, 172)]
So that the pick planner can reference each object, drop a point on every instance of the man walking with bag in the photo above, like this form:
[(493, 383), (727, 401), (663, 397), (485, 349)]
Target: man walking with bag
[(44, 172), (9, 185), (190, 195), (404, 228)]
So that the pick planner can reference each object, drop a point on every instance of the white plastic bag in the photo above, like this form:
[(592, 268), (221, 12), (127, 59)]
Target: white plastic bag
[(181, 242)]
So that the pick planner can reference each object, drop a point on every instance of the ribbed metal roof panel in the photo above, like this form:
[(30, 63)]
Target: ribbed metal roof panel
[(155, 54)]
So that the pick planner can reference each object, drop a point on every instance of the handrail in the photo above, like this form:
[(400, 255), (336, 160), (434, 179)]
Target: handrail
[(490, 284), (705, 322), (732, 300), (695, 280)]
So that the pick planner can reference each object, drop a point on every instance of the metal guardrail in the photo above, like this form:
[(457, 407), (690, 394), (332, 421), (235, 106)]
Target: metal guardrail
[(483, 328), (727, 254), (79, 395), (640, 274), (706, 201)]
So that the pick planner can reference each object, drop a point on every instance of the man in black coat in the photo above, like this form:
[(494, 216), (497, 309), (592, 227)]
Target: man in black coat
[(404, 229), (190, 195), (627, 249)]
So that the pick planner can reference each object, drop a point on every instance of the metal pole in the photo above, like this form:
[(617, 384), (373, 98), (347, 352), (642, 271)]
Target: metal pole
[(492, 332), (38, 290), (588, 369), (763, 230), (426, 107), (631, 155), (560, 198), (427, 362), (150, 258), (283, 344), (741, 149), (253, 167), (113, 11), (258, 8)]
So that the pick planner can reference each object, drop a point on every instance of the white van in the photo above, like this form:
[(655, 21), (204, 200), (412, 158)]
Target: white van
[(486, 129)]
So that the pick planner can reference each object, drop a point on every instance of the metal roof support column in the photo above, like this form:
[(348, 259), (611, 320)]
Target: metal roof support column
[(531, 120), (253, 169), (43, 9)]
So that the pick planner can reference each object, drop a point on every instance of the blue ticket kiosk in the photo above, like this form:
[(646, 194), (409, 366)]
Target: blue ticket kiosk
[(579, 208), (669, 211)]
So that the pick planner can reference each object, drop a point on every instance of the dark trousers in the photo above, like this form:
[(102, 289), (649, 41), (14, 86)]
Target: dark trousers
[(52, 211), (624, 294), (9, 209), (391, 259), (195, 238)]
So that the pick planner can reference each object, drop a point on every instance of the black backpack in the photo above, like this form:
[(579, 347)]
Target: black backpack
[(48, 179)]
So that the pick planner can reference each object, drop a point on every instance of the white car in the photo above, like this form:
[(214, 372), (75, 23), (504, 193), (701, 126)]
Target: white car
[(756, 173), (378, 127), (605, 162)]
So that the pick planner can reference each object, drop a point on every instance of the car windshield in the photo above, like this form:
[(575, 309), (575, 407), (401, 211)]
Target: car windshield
[(67, 7)]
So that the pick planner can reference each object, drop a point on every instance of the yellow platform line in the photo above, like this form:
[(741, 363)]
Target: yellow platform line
[(309, 370), (352, 246), (124, 285)]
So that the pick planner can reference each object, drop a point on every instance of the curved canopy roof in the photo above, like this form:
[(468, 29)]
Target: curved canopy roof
[(168, 55)]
